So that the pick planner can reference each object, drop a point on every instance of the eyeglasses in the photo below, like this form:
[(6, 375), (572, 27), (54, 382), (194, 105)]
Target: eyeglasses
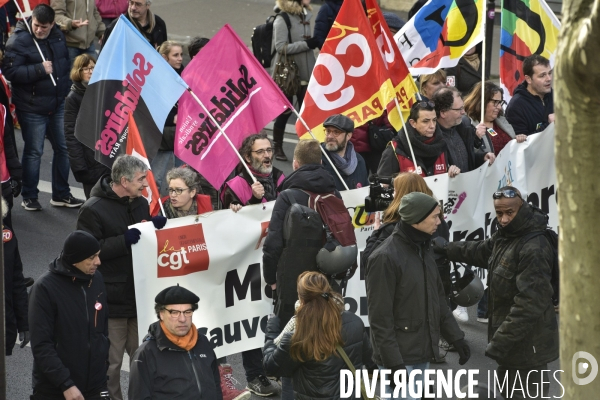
[(263, 151), (508, 193), (424, 104), (335, 133), (459, 109), (498, 103), (176, 313), (177, 191), (88, 69)]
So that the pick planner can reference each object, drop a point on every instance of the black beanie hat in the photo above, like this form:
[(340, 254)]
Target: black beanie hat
[(176, 295), (415, 207), (79, 246)]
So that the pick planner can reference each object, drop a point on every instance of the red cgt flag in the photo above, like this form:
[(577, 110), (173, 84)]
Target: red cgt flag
[(349, 77), (135, 147)]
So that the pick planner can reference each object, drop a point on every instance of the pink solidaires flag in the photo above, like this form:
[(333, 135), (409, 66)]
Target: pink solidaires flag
[(238, 93)]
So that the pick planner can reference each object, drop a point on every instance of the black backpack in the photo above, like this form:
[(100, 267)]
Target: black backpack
[(552, 238), (262, 39)]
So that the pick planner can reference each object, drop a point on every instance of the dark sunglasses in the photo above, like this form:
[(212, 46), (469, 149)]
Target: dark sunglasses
[(508, 193), (424, 104)]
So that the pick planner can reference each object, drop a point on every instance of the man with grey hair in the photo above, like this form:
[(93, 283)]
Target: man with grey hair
[(151, 26), (115, 203)]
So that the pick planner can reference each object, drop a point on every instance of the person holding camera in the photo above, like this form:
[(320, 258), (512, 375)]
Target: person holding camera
[(428, 145)]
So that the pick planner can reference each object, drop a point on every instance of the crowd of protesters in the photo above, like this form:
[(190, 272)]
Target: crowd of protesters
[(87, 297)]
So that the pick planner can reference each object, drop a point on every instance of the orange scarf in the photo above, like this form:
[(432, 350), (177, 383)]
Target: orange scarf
[(186, 342)]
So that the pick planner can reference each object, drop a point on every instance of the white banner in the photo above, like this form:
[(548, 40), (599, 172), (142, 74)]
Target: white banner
[(218, 255)]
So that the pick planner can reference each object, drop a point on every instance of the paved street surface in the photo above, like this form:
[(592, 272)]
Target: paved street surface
[(41, 234)]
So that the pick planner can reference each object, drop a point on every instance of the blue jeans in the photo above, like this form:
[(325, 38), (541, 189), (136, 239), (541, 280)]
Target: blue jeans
[(422, 367), (75, 51), (34, 128)]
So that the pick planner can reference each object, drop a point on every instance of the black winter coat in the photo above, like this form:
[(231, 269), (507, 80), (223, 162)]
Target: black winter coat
[(528, 113), (465, 76), (359, 178), (69, 336), (32, 88), (475, 155), (522, 328), (156, 37), (281, 264), (403, 272), (316, 379), (327, 13), (81, 158), (10, 150), (162, 370), (15, 292), (106, 216)]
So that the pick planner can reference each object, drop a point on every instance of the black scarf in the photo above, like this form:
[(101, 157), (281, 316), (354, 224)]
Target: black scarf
[(424, 147)]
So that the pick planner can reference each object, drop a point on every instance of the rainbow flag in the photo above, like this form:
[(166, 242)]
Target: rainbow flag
[(528, 27)]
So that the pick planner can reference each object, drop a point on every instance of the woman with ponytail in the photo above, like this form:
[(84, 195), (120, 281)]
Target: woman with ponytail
[(306, 348)]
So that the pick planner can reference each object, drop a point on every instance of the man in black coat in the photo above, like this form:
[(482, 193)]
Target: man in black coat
[(458, 133), (151, 26), (175, 361), (115, 203), (40, 86), (405, 294), (68, 315), (522, 328)]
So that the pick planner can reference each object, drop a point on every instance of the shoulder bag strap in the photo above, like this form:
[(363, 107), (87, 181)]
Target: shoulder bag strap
[(344, 356)]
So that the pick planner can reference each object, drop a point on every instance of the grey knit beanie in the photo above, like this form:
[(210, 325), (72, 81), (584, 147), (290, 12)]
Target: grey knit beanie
[(415, 207)]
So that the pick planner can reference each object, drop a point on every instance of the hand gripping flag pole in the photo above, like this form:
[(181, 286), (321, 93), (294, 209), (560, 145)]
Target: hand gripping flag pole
[(412, 153)]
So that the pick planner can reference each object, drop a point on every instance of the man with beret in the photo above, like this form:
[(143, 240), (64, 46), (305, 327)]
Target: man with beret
[(174, 361), (68, 320), (339, 148), (405, 295)]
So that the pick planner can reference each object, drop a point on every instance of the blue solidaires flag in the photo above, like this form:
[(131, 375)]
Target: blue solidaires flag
[(130, 77)]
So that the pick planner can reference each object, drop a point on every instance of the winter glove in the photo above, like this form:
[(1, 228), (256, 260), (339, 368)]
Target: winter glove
[(398, 367), (464, 352), (159, 221), (24, 337), (312, 43), (440, 245), (132, 236), (16, 185)]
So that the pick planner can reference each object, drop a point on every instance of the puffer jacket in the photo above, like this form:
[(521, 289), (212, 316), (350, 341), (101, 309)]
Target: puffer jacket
[(110, 9), (300, 31), (81, 158), (312, 379), (32, 88), (106, 216), (528, 113), (522, 328), (325, 17), (69, 10), (161, 370), (69, 331), (403, 272)]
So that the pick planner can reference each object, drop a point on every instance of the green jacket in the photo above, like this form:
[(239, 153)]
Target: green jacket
[(522, 328), (68, 10)]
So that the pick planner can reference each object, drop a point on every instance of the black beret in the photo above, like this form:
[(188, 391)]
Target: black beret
[(339, 121), (176, 295)]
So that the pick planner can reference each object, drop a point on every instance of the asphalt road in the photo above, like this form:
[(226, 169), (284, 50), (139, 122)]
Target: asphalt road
[(41, 234)]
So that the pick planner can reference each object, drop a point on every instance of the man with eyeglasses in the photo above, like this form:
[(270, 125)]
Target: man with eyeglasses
[(339, 148), (115, 203), (175, 361), (522, 328), (257, 151), (81, 22), (151, 26), (458, 133), (531, 109)]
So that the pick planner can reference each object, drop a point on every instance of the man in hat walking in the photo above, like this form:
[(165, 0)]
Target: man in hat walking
[(174, 360), (405, 336), (68, 321), (339, 148)]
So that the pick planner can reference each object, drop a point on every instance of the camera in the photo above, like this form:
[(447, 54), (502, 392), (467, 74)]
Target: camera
[(379, 197)]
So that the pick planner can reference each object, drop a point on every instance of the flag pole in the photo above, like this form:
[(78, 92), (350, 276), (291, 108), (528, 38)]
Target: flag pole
[(34, 41), (483, 105), (321, 147), (223, 133), (417, 169)]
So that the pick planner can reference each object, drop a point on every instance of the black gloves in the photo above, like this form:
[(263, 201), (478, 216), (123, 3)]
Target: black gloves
[(24, 337), (159, 221), (439, 245), (399, 367), (312, 43), (132, 236), (15, 186), (464, 352)]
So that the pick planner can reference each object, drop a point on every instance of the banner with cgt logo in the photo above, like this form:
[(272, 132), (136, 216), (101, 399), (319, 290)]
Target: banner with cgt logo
[(218, 255)]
